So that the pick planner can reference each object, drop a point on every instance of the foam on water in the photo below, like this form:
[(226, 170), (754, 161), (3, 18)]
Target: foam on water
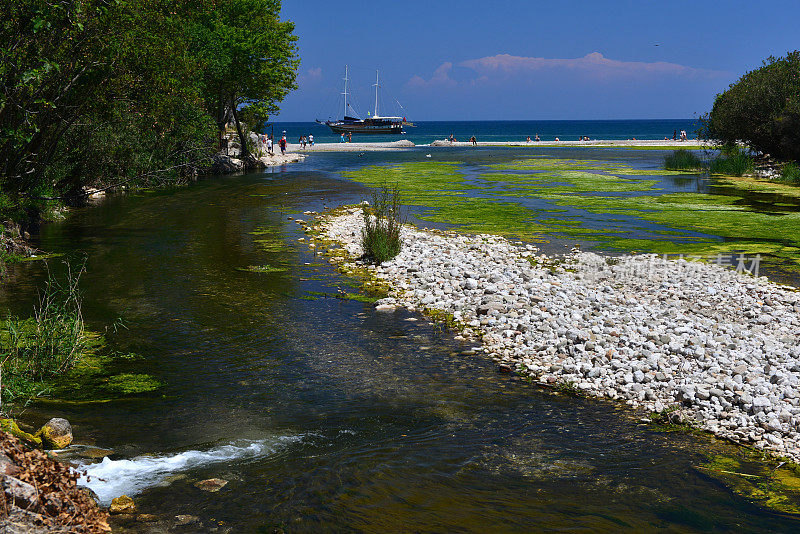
[(112, 478)]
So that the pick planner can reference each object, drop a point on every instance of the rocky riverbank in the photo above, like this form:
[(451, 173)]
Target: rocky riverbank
[(41, 495), (695, 342)]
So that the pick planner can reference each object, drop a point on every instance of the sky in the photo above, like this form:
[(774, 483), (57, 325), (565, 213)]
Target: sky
[(530, 60)]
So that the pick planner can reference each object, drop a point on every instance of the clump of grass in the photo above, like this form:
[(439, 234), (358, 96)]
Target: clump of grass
[(733, 161), (35, 350), (682, 160), (383, 220), (791, 172)]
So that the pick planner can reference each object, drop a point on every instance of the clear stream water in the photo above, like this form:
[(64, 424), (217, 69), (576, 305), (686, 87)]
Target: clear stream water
[(323, 415)]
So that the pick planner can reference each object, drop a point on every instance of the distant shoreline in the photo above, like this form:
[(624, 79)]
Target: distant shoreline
[(404, 144)]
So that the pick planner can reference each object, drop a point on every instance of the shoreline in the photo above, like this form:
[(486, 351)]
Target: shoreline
[(404, 144), (693, 343)]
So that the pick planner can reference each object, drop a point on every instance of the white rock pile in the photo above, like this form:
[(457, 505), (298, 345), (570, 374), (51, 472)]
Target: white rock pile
[(714, 347)]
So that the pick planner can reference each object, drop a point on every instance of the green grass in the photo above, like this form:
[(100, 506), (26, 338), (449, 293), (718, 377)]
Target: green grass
[(683, 160), (791, 172), (383, 220), (36, 350), (732, 162)]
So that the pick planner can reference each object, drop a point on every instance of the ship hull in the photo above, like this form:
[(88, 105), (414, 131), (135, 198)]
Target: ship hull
[(364, 128)]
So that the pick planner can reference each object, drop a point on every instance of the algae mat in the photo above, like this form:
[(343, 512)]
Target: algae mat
[(608, 203)]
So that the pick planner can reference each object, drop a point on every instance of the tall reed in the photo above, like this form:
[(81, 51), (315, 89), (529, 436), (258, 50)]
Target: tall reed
[(37, 349), (383, 220)]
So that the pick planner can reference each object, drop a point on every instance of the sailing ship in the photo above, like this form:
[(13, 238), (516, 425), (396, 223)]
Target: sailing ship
[(371, 125)]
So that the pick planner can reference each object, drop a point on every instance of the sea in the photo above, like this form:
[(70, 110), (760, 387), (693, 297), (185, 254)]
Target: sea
[(425, 132)]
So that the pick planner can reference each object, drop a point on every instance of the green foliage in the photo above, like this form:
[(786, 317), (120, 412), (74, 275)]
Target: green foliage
[(733, 161), (762, 109), (35, 350), (249, 58), (101, 92), (383, 220), (682, 160), (791, 172)]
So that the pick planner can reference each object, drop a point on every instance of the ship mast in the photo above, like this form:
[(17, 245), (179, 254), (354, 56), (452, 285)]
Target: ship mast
[(376, 94), (345, 92)]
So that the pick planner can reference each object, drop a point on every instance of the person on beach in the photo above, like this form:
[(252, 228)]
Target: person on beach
[(537, 139), (474, 140), (341, 138), (282, 144), (674, 135), (311, 139), (269, 145), (557, 139), (349, 137), (528, 140), (302, 142)]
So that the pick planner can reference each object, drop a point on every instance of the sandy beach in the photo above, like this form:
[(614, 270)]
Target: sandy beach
[(404, 144)]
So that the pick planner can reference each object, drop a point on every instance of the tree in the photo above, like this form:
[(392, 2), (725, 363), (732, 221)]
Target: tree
[(762, 109), (249, 58), (98, 92)]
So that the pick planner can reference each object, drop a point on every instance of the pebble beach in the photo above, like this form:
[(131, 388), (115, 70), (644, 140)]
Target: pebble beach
[(695, 342)]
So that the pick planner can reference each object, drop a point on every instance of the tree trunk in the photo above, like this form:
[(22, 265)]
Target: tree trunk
[(245, 154)]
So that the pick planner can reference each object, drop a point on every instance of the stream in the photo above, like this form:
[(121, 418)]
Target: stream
[(321, 414)]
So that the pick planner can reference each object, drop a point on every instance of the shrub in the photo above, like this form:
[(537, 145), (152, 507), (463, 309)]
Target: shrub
[(383, 220), (37, 349), (682, 160), (791, 172), (733, 161), (762, 109)]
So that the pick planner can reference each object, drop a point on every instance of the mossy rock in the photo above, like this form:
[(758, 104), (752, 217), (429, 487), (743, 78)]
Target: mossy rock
[(11, 426), (122, 505)]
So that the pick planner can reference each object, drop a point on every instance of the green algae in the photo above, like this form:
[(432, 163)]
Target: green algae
[(270, 245), (755, 185), (763, 480), (568, 181), (131, 383), (417, 182), (652, 221), (263, 269), (357, 297), (550, 164), (100, 378)]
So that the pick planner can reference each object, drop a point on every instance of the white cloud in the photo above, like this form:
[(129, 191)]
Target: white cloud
[(440, 78), (309, 77), (591, 66)]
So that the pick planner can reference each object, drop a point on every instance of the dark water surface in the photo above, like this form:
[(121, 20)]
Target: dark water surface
[(323, 415)]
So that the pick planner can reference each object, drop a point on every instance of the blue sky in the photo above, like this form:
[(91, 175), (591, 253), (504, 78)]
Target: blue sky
[(496, 59)]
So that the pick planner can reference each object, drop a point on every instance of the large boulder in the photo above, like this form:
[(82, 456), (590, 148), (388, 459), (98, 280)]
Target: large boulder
[(56, 434)]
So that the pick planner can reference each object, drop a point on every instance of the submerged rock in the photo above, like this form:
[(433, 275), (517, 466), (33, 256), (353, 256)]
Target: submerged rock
[(122, 505), (211, 484)]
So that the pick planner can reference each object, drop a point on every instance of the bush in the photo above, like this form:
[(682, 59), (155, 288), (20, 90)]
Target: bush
[(383, 220), (38, 349), (791, 172), (733, 161), (682, 160), (762, 109)]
